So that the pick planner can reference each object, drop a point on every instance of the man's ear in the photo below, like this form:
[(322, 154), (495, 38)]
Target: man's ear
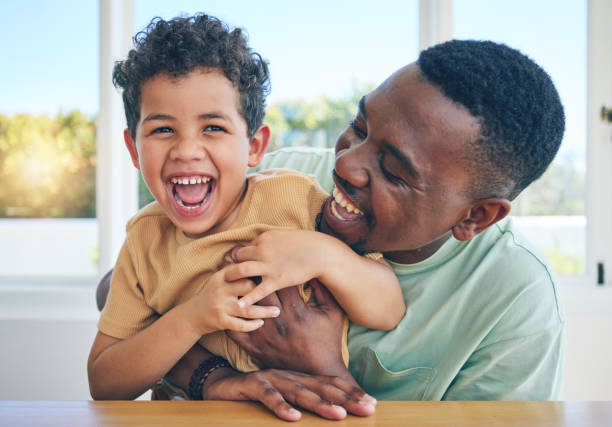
[(131, 146), (258, 145), (483, 214)]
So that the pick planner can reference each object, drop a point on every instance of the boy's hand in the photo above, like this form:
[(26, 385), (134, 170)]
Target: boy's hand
[(215, 307), (282, 258)]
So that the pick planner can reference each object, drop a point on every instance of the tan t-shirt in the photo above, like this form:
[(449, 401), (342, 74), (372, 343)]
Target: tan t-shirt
[(159, 267)]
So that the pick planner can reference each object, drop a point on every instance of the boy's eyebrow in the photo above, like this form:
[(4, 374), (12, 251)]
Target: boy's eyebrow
[(157, 117), (213, 115)]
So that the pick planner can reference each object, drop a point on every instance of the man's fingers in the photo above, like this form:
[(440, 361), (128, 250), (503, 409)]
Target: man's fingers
[(272, 399), (322, 295), (290, 297)]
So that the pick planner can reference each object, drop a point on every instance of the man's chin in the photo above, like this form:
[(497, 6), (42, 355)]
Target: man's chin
[(357, 245)]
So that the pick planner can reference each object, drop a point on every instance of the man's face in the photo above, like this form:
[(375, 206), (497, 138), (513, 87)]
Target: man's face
[(399, 164)]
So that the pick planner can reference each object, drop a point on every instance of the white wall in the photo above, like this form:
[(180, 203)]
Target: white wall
[(45, 339)]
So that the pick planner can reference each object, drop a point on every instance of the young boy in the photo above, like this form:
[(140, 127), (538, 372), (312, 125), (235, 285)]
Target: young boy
[(194, 97)]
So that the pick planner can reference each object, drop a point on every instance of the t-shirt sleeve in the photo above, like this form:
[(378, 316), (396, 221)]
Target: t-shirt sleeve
[(521, 358), (126, 311), (314, 161)]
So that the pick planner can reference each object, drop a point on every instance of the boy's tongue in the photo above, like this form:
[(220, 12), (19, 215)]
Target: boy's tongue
[(192, 193)]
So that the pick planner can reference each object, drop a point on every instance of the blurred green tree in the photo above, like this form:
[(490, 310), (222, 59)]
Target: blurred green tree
[(47, 166)]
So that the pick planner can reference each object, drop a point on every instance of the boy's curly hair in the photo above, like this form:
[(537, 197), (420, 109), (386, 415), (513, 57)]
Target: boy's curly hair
[(520, 112), (182, 44)]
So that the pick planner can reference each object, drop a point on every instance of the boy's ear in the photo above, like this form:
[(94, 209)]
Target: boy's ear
[(131, 146), (258, 144), (482, 215)]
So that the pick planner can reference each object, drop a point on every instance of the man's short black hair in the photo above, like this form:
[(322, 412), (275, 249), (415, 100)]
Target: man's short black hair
[(182, 44), (520, 112)]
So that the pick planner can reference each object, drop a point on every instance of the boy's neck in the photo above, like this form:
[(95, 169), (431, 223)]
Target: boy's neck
[(226, 222)]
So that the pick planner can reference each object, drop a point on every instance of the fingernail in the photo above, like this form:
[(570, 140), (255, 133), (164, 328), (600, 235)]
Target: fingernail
[(294, 412), (276, 312), (240, 303), (339, 408), (368, 400)]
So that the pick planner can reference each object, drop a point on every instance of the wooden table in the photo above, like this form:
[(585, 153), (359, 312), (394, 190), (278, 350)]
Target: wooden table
[(166, 413)]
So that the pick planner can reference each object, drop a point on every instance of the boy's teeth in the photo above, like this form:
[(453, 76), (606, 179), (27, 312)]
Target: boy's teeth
[(339, 199), (190, 180)]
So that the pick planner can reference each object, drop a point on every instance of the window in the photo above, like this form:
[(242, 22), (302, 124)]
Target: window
[(48, 108)]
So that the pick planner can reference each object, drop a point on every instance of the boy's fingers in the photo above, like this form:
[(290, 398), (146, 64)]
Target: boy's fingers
[(242, 325), (244, 270), (262, 290), (259, 312), (242, 287), (244, 253)]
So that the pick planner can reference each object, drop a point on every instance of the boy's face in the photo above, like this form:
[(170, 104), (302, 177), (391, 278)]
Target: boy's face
[(193, 149)]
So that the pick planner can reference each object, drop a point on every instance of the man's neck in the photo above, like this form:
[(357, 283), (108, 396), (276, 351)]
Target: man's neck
[(413, 256)]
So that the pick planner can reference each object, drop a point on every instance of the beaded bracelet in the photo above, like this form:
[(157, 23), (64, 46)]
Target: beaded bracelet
[(198, 378)]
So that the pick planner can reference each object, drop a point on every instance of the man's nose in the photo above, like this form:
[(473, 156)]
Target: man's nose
[(188, 149), (352, 164)]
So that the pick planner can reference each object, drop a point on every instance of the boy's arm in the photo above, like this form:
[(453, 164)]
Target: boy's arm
[(124, 369), (367, 290)]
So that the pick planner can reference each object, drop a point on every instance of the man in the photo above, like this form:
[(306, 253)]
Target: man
[(433, 159)]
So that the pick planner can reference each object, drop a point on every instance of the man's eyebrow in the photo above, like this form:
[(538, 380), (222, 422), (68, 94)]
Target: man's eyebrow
[(403, 159), (362, 110)]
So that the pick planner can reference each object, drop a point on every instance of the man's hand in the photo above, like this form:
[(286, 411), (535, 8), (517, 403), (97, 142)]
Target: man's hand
[(329, 397), (302, 338)]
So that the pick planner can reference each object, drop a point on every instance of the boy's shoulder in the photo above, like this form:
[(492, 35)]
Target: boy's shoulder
[(147, 216)]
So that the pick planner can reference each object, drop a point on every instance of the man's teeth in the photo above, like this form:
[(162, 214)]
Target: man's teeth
[(190, 180), (342, 201)]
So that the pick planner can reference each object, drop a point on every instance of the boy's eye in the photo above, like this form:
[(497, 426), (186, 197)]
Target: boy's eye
[(163, 129), (213, 128), (358, 132)]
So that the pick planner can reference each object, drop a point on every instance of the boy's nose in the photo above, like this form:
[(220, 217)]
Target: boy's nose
[(187, 149)]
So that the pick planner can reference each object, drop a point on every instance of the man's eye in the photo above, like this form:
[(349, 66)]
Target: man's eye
[(358, 132), (163, 129)]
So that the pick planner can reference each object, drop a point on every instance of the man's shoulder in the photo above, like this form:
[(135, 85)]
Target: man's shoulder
[(310, 160), (519, 270)]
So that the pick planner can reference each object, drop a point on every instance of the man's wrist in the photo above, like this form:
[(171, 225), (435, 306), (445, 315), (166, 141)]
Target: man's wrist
[(216, 376), (202, 373)]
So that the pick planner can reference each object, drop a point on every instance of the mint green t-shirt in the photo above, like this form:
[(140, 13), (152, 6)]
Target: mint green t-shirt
[(483, 318)]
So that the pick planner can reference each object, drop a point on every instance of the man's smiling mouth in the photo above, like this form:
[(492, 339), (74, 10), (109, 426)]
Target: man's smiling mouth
[(342, 208)]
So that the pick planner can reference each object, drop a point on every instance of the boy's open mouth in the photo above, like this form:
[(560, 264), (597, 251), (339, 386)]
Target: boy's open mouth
[(191, 192)]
